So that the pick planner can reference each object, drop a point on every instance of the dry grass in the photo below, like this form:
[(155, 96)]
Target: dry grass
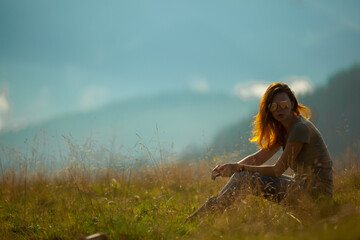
[(138, 201)]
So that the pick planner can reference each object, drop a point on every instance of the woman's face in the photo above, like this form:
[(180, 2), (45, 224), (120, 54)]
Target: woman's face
[(281, 107)]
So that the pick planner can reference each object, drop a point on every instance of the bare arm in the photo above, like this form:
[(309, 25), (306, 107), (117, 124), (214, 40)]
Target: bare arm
[(260, 156), (287, 157)]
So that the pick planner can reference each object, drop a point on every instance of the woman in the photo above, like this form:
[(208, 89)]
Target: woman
[(282, 122)]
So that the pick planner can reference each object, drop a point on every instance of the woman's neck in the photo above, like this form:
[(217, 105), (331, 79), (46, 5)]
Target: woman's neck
[(289, 122)]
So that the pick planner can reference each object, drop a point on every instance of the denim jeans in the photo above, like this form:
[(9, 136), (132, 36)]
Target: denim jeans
[(271, 188)]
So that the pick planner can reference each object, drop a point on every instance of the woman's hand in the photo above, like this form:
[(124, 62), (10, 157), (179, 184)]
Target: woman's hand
[(226, 170)]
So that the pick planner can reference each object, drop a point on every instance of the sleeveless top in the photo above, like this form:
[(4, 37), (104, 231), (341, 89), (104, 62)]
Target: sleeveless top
[(313, 165)]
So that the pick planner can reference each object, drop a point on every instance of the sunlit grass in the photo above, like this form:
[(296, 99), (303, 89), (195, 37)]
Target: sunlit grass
[(139, 201)]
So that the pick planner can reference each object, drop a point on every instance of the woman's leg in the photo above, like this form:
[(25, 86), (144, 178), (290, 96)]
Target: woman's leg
[(270, 188)]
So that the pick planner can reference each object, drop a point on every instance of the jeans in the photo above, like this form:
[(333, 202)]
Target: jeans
[(269, 187)]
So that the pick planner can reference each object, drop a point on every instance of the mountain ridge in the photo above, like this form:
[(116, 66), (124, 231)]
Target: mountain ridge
[(182, 117)]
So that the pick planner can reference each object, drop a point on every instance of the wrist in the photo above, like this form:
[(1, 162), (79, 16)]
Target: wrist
[(240, 167)]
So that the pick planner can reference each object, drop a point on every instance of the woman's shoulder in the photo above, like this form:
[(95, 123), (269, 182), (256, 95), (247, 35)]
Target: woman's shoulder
[(301, 124), (306, 127), (300, 131)]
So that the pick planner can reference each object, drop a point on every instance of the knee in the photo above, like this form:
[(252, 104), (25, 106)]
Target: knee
[(240, 176)]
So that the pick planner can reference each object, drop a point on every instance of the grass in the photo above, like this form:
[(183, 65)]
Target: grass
[(138, 201)]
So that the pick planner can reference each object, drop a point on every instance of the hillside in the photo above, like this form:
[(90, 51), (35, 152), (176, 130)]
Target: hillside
[(335, 112)]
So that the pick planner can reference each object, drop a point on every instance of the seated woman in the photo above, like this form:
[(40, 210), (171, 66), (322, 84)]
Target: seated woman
[(282, 122)]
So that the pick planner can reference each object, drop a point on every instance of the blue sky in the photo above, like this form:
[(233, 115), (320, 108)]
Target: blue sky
[(65, 56)]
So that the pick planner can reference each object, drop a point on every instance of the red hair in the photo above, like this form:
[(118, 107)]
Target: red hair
[(267, 131)]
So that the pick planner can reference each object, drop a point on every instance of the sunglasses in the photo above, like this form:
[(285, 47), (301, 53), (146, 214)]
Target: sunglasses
[(283, 105)]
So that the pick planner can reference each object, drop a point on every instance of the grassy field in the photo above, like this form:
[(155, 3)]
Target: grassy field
[(152, 202)]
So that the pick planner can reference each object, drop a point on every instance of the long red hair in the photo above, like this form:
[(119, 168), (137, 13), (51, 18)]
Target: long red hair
[(267, 131)]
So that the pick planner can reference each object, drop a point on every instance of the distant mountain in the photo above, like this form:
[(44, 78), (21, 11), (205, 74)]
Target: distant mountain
[(335, 112), (177, 119)]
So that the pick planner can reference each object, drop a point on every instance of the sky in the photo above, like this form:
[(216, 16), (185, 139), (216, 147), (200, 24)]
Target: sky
[(60, 57)]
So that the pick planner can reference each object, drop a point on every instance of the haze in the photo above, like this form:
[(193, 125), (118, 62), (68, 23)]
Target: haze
[(61, 57)]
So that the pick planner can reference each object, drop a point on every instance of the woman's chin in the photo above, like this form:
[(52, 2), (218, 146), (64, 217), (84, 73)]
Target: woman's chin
[(280, 117)]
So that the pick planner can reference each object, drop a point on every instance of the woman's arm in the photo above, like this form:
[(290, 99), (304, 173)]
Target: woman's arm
[(260, 156), (287, 157)]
